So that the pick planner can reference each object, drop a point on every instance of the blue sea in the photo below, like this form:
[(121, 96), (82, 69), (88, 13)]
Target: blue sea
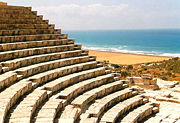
[(162, 42)]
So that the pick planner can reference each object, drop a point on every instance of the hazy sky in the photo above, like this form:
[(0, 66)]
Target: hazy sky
[(107, 14)]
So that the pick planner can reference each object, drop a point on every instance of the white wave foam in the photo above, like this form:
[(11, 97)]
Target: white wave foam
[(171, 54), (122, 49)]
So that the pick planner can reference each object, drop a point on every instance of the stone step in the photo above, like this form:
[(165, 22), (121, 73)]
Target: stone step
[(9, 55), (45, 66), (15, 16), (16, 11), (74, 78), (26, 26), (29, 32), (70, 114), (51, 113), (78, 88), (10, 96), (121, 108), (48, 112), (34, 44), (100, 105), (67, 117), (82, 100), (10, 77), (37, 20), (22, 62), (39, 37), (16, 8), (28, 106), (7, 79), (138, 114), (60, 72)]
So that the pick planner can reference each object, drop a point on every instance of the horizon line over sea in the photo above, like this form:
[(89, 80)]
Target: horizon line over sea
[(159, 42)]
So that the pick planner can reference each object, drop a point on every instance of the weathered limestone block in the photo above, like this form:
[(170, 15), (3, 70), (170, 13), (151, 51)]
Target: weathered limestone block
[(7, 79), (144, 82), (70, 114)]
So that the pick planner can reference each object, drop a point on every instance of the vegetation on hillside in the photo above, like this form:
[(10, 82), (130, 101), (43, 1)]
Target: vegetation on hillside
[(166, 70)]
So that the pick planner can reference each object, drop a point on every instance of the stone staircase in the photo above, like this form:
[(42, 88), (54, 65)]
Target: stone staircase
[(45, 77)]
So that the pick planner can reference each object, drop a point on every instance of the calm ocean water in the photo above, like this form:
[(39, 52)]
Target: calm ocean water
[(152, 42)]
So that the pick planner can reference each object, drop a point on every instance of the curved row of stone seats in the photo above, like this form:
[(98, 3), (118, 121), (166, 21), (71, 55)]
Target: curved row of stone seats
[(82, 76), (106, 89), (82, 100), (10, 77), (22, 62), (22, 38), (80, 88), (27, 26), (21, 87), (119, 109), (37, 20), (12, 16), (37, 68), (139, 113), (34, 44), (59, 72), (17, 11), (49, 111), (45, 77), (7, 79), (97, 109), (70, 114), (10, 96), (15, 7), (6, 13), (73, 78), (28, 32), (9, 55), (24, 111)]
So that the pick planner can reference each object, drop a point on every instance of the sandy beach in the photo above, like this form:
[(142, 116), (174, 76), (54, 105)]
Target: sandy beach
[(125, 58)]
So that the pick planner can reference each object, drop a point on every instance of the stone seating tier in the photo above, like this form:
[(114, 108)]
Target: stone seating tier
[(37, 20), (46, 78), (29, 32)]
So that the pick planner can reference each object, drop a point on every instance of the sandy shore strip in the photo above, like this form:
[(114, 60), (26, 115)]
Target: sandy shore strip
[(125, 58)]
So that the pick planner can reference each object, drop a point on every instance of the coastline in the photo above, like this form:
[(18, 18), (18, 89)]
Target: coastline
[(126, 58)]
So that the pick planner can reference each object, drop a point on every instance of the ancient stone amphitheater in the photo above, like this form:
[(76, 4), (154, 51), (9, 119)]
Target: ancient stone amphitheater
[(45, 77)]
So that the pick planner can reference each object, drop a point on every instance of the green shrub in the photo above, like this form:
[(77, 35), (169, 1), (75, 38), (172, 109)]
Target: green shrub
[(124, 74), (164, 78)]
